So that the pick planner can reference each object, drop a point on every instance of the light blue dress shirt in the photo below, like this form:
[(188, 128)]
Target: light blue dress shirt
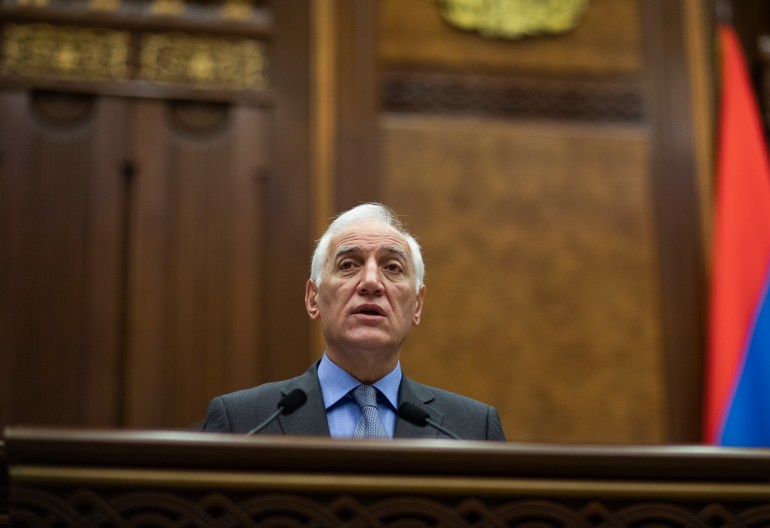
[(342, 411)]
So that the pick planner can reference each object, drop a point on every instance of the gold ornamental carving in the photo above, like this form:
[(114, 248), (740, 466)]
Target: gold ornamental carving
[(131, 59), (514, 18), (203, 61), (65, 52)]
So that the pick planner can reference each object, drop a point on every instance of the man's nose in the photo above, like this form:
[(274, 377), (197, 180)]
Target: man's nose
[(371, 279)]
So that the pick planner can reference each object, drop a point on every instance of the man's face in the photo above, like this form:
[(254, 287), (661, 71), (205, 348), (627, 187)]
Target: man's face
[(367, 298)]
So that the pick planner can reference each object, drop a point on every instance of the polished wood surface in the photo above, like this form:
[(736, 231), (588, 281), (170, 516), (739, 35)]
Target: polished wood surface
[(84, 476)]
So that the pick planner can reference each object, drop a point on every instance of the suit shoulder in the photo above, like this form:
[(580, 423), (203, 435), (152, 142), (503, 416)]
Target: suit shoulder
[(239, 411), (428, 391), (270, 388), (253, 392)]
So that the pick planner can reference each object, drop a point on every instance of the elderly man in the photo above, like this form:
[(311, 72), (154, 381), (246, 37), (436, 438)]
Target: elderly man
[(366, 290)]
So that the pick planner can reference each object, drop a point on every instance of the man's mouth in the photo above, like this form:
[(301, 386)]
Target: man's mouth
[(370, 310)]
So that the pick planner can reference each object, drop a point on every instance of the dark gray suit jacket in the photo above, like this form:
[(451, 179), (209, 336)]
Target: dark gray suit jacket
[(239, 412)]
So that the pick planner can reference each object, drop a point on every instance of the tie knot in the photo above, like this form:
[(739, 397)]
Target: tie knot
[(365, 396)]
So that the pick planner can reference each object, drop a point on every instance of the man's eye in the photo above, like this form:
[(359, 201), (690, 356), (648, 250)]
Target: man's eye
[(393, 268), (346, 265)]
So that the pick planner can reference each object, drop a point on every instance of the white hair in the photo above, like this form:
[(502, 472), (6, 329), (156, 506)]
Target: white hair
[(367, 211)]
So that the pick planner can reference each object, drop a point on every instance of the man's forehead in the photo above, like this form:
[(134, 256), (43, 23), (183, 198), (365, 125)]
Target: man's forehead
[(369, 236)]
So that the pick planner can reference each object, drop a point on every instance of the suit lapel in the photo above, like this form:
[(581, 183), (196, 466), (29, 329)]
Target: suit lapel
[(310, 419), (416, 394)]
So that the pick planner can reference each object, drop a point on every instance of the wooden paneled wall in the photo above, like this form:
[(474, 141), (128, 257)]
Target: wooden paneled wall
[(559, 217), (155, 242)]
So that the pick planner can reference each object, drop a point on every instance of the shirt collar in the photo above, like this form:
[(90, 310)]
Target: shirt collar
[(336, 383)]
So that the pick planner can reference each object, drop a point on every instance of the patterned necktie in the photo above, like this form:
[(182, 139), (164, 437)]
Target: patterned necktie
[(369, 425)]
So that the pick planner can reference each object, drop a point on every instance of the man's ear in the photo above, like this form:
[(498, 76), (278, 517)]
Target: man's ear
[(418, 309), (311, 302)]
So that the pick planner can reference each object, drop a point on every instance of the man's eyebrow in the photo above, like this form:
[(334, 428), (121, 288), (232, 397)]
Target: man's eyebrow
[(346, 250), (397, 251), (393, 250)]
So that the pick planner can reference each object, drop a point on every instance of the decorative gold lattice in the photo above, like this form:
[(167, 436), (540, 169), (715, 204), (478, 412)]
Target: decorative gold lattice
[(202, 61), (65, 52)]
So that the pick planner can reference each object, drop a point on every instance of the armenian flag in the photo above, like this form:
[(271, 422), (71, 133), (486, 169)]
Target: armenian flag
[(737, 397)]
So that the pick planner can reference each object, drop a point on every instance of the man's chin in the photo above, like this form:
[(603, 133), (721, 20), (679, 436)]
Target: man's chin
[(374, 341)]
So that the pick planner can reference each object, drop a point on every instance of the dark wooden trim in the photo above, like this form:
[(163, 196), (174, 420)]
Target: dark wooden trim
[(289, 238), (106, 266), (138, 90), (14, 159), (674, 187), (260, 27), (39, 446), (600, 100), (356, 174)]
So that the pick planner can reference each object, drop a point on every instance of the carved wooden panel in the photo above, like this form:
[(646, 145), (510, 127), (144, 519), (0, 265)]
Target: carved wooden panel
[(85, 507), (540, 271), (512, 97)]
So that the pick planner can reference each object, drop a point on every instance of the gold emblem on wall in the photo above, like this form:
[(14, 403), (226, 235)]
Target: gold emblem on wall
[(202, 61), (514, 18), (65, 52)]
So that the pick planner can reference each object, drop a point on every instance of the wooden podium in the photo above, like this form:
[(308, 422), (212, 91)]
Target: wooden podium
[(159, 478)]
